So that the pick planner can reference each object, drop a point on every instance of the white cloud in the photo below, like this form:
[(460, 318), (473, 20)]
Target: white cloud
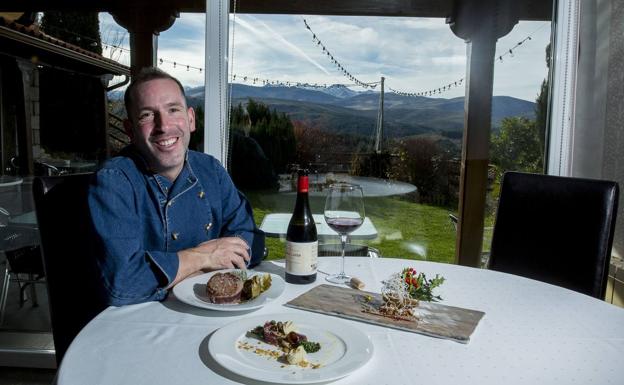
[(192, 21), (414, 54)]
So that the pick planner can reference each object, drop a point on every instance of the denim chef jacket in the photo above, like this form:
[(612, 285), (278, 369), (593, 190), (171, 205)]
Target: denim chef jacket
[(141, 220)]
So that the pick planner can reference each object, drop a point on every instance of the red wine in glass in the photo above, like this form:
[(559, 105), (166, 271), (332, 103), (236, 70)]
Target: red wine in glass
[(344, 213), (344, 225)]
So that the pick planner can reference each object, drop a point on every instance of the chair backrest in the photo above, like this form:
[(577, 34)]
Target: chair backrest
[(65, 227), (556, 229)]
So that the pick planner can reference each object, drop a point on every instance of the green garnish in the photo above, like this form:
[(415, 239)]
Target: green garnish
[(311, 347), (258, 331)]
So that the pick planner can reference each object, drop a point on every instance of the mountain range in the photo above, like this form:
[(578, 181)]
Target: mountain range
[(342, 110)]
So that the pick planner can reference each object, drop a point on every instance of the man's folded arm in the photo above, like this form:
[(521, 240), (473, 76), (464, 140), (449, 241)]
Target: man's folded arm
[(129, 273)]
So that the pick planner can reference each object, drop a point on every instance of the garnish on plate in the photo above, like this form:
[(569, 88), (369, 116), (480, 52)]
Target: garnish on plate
[(255, 286), (419, 287), (293, 345), (401, 293)]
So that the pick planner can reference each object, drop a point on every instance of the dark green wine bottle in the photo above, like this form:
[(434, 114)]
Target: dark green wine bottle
[(301, 238)]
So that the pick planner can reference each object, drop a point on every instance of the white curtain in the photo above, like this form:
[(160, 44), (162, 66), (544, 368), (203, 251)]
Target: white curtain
[(565, 50)]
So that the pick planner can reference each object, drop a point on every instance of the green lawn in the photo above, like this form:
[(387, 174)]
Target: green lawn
[(406, 230)]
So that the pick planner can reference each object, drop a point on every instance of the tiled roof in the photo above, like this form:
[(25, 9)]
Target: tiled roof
[(34, 32)]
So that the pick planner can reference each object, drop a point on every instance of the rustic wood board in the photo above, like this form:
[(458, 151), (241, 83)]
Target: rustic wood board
[(435, 319)]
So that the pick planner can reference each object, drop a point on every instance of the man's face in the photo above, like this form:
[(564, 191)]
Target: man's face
[(160, 125)]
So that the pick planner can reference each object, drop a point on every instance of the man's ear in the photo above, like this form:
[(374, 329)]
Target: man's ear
[(191, 115), (128, 128)]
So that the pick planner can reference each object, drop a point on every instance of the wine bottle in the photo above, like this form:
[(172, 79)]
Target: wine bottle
[(301, 238)]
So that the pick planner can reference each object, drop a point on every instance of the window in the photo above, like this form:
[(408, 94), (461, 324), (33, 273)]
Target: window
[(303, 96)]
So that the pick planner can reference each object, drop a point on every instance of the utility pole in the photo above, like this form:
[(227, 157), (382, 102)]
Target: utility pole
[(379, 136)]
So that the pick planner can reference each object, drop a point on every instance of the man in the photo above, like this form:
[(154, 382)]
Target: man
[(160, 211)]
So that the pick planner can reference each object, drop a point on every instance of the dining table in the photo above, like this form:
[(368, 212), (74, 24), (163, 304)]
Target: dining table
[(531, 333)]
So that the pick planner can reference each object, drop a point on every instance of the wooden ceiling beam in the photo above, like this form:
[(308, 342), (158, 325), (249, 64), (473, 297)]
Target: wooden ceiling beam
[(528, 9)]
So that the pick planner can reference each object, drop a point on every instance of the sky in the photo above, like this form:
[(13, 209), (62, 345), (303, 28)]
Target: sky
[(413, 54)]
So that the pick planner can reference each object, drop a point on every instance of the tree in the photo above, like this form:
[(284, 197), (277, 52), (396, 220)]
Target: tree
[(541, 105), (197, 138), (273, 131), (78, 28), (520, 144), (517, 146)]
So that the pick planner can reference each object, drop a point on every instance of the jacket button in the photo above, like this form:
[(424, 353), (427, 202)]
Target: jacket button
[(209, 226), (175, 236), (201, 194), (170, 203)]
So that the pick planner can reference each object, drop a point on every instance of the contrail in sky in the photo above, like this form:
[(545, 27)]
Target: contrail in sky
[(279, 37)]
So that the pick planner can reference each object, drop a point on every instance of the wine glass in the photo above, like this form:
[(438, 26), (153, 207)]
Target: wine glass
[(344, 213)]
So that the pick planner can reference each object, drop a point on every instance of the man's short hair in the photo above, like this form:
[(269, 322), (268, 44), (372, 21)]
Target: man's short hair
[(145, 75)]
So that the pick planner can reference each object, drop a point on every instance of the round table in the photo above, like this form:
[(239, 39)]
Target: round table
[(532, 333), (8, 180)]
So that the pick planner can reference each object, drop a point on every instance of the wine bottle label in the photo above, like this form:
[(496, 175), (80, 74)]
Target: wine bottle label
[(301, 258)]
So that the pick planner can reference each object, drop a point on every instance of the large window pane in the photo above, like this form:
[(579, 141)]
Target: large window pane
[(293, 106)]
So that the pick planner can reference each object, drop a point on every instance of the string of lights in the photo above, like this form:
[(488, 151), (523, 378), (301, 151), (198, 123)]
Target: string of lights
[(234, 77), (280, 83), (459, 82), (434, 91), (518, 44), (336, 62)]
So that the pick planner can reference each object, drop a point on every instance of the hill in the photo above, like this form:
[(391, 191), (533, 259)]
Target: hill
[(345, 111)]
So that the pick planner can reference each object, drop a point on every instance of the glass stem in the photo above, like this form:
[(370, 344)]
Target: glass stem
[(343, 240)]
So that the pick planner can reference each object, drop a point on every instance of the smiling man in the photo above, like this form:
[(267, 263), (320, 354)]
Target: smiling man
[(162, 212)]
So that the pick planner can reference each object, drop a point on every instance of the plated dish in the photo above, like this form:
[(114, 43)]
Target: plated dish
[(343, 349), (192, 291)]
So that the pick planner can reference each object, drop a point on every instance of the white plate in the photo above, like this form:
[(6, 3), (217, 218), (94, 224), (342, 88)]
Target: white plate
[(193, 292), (344, 349)]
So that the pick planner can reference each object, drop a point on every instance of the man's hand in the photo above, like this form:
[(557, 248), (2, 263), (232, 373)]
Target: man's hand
[(220, 253), (223, 253)]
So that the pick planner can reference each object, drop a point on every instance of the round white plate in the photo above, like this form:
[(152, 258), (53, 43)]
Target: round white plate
[(344, 349), (193, 292)]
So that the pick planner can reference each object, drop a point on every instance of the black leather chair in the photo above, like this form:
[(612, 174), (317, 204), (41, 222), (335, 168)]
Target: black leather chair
[(556, 229), (73, 283)]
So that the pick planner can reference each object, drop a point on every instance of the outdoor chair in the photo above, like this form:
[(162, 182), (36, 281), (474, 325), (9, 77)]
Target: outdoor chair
[(555, 229), (23, 263), (46, 169), (487, 231), (69, 263)]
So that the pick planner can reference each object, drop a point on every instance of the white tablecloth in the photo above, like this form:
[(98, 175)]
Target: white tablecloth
[(532, 333)]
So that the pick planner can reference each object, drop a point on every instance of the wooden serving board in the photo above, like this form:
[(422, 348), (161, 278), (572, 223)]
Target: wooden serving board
[(434, 319)]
